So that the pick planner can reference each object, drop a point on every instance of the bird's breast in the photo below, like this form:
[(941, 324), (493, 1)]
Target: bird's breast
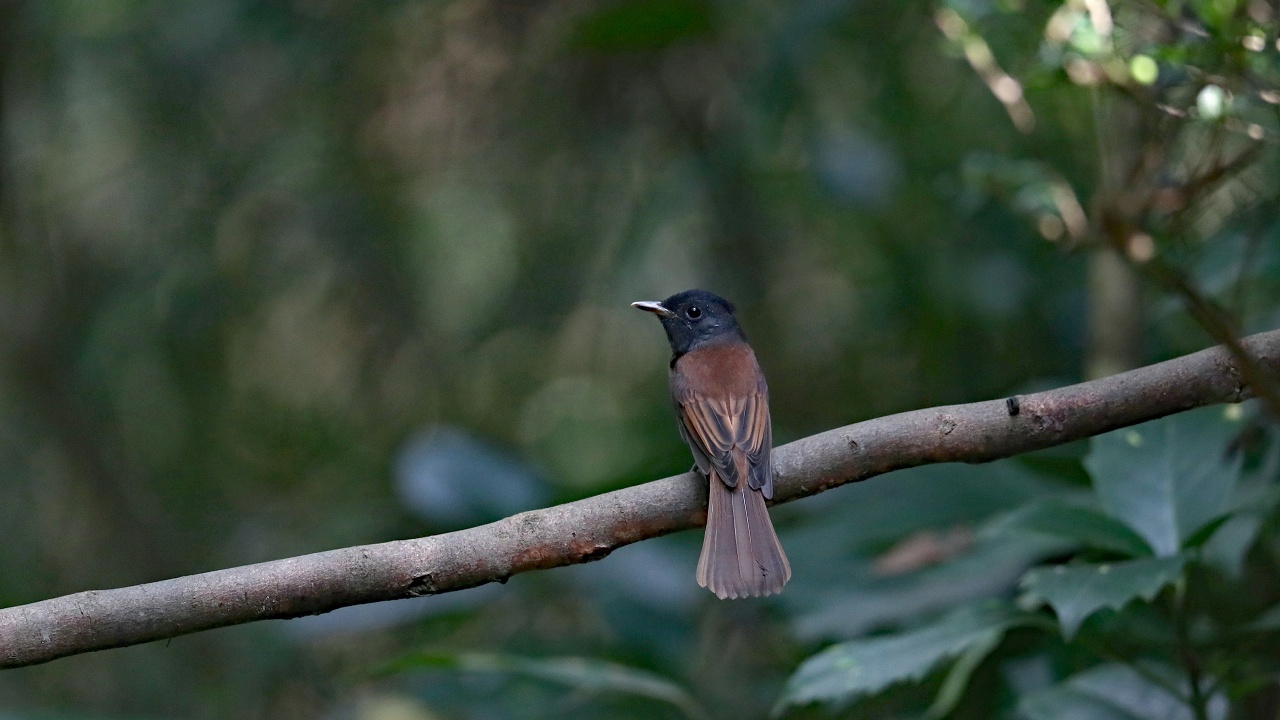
[(719, 371)]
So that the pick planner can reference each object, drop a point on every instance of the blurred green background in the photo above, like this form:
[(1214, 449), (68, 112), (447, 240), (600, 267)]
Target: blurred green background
[(283, 277)]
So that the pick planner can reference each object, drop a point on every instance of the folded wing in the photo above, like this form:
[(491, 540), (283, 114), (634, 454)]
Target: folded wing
[(731, 440)]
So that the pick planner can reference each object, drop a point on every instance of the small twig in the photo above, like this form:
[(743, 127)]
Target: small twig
[(1221, 328), (1215, 321), (1219, 173)]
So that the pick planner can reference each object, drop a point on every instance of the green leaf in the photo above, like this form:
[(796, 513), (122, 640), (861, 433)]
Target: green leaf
[(1077, 591), (1227, 547), (991, 568), (1201, 536), (1117, 692), (1067, 703), (957, 680), (580, 673), (850, 670), (1168, 478), (1256, 498), (635, 25), (1080, 525)]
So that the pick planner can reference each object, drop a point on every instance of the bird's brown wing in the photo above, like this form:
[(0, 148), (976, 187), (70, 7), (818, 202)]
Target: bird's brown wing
[(728, 433)]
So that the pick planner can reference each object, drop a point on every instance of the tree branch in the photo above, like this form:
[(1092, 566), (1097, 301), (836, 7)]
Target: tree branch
[(592, 528)]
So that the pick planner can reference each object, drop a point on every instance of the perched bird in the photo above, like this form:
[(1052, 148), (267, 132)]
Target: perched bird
[(722, 404)]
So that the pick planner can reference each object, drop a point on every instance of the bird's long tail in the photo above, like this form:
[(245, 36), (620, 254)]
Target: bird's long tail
[(741, 556)]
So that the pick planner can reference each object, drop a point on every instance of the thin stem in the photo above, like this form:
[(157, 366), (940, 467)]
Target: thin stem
[(1190, 662), (1222, 328)]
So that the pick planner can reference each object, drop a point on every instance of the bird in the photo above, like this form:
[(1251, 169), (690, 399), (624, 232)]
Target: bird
[(722, 408)]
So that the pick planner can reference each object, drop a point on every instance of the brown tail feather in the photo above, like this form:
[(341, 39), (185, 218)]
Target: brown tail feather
[(741, 556)]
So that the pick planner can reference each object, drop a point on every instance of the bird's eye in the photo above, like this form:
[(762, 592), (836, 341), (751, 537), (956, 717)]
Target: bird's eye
[(693, 313)]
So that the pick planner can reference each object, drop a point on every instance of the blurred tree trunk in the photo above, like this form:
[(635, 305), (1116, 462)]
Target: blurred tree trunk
[(1115, 315), (1114, 290)]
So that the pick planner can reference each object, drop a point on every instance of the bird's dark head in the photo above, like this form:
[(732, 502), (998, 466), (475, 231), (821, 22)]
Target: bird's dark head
[(695, 318)]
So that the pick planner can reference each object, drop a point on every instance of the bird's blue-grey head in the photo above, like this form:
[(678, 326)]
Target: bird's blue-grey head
[(695, 318)]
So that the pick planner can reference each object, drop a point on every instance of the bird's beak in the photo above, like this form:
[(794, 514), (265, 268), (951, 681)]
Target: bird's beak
[(654, 307)]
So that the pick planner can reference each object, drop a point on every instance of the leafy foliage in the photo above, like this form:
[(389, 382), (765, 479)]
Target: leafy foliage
[(1080, 525), (283, 277), (1173, 482), (847, 560), (1077, 591), (589, 675), (1169, 478), (850, 670), (1117, 692)]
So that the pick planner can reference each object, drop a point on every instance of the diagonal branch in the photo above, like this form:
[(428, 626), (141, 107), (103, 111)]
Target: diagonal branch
[(592, 528), (1220, 326)]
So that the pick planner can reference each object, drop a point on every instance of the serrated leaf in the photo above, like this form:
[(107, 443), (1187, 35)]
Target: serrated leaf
[(850, 670), (1168, 478), (1080, 525), (580, 673), (1077, 591)]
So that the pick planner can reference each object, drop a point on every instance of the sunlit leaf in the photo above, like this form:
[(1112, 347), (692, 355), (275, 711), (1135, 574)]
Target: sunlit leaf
[(1212, 102), (1168, 478), (1143, 69), (848, 671), (1077, 591), (587, 674)]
